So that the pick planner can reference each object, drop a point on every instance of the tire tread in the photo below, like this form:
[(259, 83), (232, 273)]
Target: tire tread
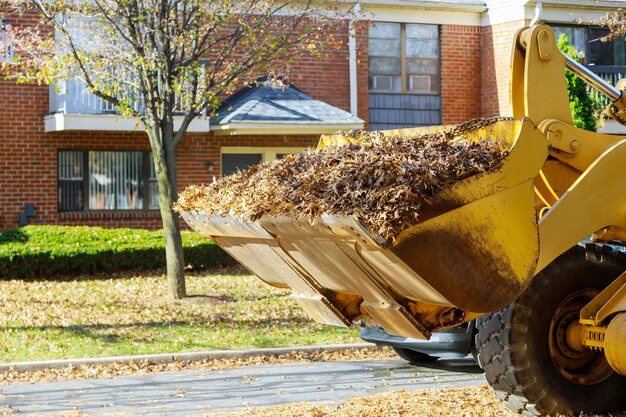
[(500, 336)]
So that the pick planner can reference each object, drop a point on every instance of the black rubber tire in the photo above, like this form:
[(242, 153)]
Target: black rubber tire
[(473, 348), (413, 356), (513, 343)]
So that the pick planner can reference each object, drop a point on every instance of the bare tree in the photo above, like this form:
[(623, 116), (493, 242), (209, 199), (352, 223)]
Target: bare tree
[(157, 59)]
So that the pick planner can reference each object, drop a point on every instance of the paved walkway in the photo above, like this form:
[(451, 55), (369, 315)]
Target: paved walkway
[(187, 393)]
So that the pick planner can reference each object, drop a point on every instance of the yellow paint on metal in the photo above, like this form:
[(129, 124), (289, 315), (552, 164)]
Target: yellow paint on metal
[(579, 212), (594, 337), (609, 234), (335, 140), (615, 343), (559, 176), (543, 80), (478, 248), (517, 91), (566, 342), (604, 324), (546, 206), (340, 139), (413, 131), (550, 194), (610, 301), (575, 147), (473, 251)]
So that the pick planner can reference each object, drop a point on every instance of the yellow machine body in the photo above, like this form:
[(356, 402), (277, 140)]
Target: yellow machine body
[(338, 271), (480, 245)]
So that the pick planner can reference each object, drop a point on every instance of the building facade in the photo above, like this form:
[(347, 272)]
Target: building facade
[(67, 158)]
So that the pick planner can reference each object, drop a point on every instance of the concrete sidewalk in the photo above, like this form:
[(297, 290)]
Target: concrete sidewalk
[(187, 393), (178, 357)]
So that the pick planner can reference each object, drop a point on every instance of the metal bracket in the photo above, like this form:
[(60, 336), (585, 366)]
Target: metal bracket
[(546, 45), (29, 211), (611, 300)]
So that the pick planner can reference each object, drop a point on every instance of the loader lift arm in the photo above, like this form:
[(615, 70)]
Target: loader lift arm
[(573, 350)]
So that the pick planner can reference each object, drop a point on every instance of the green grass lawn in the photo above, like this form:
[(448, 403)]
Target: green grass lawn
[(89, 317), (39, 251)]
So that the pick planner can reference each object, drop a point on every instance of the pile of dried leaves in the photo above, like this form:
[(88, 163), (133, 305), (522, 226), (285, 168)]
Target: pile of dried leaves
[(466, 402), (477, 401), (384, 181)]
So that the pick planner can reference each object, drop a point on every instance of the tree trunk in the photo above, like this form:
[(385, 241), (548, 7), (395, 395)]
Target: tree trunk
[(164, 157)]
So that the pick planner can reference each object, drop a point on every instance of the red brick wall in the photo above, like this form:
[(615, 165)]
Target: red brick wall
[(193, 153), (496, 45), (28, 155), (196, 150), (475, 74), (26, 174), (460, 73), (328, 79), (28, 161)]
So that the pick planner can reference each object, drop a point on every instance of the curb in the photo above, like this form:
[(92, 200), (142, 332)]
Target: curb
[(162, 358)]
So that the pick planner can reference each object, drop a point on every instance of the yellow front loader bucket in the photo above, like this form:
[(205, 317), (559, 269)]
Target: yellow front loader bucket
[(474, 251)]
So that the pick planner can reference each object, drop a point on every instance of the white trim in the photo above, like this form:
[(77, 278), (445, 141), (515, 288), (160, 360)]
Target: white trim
[(412, 14), (561, 11), (561, 14), (352, 52), (108, 122), (445, 5), (578, 4), (492, 13), (509, 11), (282, 128)]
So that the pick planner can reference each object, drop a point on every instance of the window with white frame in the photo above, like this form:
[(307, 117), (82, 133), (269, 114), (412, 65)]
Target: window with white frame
[(403, 58), (236, 158), (106, 180)]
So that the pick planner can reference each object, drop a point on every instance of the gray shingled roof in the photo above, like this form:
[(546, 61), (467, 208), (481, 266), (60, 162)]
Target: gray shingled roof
[(262, 104)]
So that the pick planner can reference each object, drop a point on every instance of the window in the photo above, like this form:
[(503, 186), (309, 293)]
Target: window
[(6, 42), (233, 162), (106, 180), (71, 180), (403, 58), (587, 40), (235, 158)]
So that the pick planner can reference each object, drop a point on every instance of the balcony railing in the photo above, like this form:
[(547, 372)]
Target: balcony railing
[(611, 74), (72, 97), (72, 107)]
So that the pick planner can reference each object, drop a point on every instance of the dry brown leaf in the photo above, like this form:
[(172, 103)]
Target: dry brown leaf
[(384, 181), (145, 367)]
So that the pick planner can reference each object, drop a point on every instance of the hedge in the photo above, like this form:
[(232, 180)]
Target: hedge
[(47, 251)]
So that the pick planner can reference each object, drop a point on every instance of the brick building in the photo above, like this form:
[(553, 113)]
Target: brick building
[(415, 63)]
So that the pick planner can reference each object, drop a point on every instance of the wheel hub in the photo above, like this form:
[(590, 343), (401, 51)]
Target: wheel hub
[(573, 361)]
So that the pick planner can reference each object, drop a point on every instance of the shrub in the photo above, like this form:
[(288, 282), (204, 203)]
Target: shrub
[(581, 105), (45, 251)]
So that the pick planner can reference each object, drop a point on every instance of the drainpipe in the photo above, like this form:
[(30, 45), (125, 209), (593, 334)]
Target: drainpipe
[(353, 61), (538, 13)]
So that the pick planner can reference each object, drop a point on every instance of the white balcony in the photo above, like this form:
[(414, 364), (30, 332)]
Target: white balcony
[(73, 108), (612, 74)]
